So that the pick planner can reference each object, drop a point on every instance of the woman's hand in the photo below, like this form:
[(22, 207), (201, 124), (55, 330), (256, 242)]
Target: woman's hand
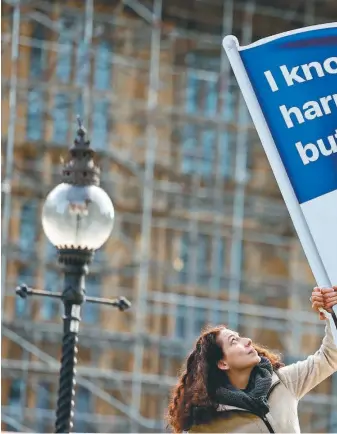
[(317, 302), (323, 298), (330, 297)]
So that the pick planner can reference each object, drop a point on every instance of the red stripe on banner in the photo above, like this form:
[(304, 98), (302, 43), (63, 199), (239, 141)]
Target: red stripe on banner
[(328, 40)]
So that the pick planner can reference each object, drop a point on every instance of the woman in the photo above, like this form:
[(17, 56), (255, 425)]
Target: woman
[(230, 385)]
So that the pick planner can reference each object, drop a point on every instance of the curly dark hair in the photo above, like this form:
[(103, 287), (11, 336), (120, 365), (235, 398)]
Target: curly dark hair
[(193, 398)]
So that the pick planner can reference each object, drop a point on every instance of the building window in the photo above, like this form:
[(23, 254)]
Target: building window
[(90, 311), (34, 115), (199, 319), (15, 393), (43, 402), (103, 65), (201, 94), (16, 402), (226, 154), (64, 58), (50, 308), (61, 118), (208, 153), (185, 258), (83, 410), (82, 64), (181, 322), (37, 53), (202, 148), (229, 103), (211, 100), (219, 317), (100, 124), (198, 150), (65, 106), (194, 256), (28, 227), (26, 276), (78, 110), (190, 321), (202, 260), (35, 96), (190, 149), (218, 264), (192, 92)]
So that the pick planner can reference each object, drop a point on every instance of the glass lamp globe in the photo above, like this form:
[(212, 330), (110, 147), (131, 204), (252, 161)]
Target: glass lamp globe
[(78, 216)]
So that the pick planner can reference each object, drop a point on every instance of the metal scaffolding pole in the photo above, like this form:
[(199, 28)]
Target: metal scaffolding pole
[(25, 376), (240, 190), (88, 31), (145, 242), (223, 152), (140, 9), (7, 184)]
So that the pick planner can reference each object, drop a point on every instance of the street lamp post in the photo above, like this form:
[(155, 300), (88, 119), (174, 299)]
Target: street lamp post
[(77, 218)]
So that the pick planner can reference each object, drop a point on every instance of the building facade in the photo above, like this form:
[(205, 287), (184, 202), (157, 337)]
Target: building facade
[(201, 236)]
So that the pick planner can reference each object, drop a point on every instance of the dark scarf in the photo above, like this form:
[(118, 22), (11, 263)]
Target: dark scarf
[(254, 397)]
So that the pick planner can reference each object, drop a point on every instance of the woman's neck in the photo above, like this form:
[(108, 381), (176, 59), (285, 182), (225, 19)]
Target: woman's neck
[(240, 379)]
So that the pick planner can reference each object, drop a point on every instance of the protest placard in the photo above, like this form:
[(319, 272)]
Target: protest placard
[(289, 83)]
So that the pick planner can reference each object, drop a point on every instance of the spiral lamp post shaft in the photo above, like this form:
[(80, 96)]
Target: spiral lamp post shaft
[(66, 393), (75, 269)]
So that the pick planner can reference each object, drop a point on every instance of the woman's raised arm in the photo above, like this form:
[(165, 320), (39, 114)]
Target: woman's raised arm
[(303, 376)]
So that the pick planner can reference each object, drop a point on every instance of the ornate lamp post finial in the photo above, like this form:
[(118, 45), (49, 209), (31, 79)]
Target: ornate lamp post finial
[(80, 169)]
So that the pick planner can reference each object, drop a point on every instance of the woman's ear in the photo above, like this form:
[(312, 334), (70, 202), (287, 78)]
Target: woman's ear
[(223, 365)]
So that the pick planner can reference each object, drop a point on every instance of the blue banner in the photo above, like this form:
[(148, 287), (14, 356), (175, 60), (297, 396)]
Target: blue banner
[(294, 77)]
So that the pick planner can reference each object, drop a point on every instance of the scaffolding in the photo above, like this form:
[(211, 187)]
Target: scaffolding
[(201, 234)]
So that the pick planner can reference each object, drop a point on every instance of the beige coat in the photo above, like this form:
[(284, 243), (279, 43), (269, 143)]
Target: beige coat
[(289, 385)]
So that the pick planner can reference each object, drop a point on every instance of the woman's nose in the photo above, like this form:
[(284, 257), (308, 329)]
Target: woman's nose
[(248, 342)]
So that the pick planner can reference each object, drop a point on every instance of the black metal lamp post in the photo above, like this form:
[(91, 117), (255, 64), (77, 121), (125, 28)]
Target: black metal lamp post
[(77, 218)]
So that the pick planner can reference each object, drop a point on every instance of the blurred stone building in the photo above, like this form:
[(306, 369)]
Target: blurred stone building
[(202, 235)]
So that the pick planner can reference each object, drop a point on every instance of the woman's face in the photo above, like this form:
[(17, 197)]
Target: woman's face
[(238, 352)]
